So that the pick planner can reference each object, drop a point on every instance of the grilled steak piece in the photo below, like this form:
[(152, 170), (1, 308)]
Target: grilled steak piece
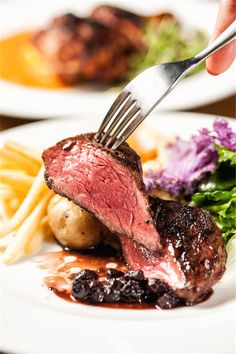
[(94, 49), (130, 24), (194, 253), (82, 49), (107, 183), (191, 257)]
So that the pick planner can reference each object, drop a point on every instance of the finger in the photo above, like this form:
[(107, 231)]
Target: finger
[(221, 61)]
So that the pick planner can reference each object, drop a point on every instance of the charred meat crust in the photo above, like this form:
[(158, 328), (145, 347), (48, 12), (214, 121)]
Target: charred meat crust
[(125, 22), (196, 242), (97, 48), (110, 14), (83, 49), (115, 17), (194, 235)]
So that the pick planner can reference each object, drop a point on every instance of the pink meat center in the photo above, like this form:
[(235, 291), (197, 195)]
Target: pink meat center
[(90, 177)]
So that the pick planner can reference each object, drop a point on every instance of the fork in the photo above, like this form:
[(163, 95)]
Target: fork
[(147, 90)]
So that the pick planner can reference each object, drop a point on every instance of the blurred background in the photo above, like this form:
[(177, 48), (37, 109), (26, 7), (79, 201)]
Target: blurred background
[(61, 58)]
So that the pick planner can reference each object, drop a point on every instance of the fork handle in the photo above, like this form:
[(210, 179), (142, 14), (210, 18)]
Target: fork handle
[(224, 38)]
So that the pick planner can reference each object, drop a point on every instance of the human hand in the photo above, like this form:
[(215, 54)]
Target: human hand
[(221, 61)]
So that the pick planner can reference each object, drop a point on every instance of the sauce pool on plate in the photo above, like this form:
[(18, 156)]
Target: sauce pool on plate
[(63, 266), (21, 63)]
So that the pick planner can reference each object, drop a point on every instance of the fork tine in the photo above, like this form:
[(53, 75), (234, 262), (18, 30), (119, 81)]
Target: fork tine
[(129, 116), (119, 117), (128, 131), (119, 101)]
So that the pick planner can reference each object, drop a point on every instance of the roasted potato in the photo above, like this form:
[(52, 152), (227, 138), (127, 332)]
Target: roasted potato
[(73, 226)]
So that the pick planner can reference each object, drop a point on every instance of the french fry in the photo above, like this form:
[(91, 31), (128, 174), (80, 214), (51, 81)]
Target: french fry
[(19, 161), (14, 204), (43, 233), (16, 187), (32, 154), (34, 244), (44, 221), (24, 234), (35, 193), (5, 241), (16, 178), (23, 201), (10, 206), (5, 164), (8, 193), (4, 214)]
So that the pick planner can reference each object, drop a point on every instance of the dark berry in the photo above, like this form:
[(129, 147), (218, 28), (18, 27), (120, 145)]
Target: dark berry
[(113, 273), (96, 292), (130, 287), (132, 291), (168, 301), (136, 275), (112, 290), (156, 287), (80, 289), (87, 274)]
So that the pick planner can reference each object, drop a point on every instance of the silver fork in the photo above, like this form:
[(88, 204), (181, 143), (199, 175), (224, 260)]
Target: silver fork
[(147, 90)]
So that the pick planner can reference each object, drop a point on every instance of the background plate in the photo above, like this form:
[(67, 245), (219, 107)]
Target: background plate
[(33, 320), (26, 102)]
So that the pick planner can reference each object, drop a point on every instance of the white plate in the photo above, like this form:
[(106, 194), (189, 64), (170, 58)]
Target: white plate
[(33, 320), (35, 103)]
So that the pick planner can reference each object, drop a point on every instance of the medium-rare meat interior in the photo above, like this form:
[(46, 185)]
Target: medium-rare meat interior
[(175, 243), (107, 183)]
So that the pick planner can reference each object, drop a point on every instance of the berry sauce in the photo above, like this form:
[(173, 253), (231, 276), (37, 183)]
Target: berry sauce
[(62, 268), (99, 277)]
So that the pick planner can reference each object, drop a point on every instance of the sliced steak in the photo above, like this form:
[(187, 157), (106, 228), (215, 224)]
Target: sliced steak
[(194, 253), (107, 183)]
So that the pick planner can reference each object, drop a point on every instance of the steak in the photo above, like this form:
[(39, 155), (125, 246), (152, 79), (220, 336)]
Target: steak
[(97, 48), (130, 24), (169, 241), (194, 254), (83, 49), (107, 183)]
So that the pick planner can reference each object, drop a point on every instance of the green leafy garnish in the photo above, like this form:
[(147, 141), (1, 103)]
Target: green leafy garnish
[(167, 42), (218, 194), (226, 155)]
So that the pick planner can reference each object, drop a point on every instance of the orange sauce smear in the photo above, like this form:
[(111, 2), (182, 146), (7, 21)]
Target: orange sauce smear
[(144, 142), (22, 63)]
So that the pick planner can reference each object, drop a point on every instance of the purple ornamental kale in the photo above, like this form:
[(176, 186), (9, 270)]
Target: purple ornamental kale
[(224, 134), (190, 161)]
